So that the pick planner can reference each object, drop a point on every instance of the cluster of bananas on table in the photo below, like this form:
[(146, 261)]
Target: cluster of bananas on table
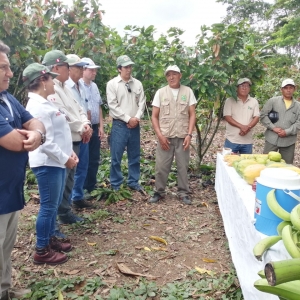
[(282, 277)]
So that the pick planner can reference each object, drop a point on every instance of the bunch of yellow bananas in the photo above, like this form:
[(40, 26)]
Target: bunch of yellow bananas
[(282, 277)]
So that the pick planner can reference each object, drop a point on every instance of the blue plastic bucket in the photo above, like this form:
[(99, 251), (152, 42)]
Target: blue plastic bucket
[(278, 179)]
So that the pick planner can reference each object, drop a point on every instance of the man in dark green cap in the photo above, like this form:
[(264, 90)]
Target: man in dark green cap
[(126, 102), (241, 115), (79, 124)]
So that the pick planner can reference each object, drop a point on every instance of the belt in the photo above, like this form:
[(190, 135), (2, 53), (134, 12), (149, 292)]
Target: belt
[(118, 120), (76, 143), (95, 126)]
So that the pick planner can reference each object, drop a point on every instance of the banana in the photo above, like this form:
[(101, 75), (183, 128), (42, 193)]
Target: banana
[(158, 239), (289, 290), (261, 274), (281, 225), (278, 272), (276, 208), (295, 216), (264, 244), (290, 246)]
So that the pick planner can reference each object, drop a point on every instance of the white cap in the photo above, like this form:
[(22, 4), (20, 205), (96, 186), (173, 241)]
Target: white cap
[(172, 68), (75, 61), (90, 63), (287, 82)]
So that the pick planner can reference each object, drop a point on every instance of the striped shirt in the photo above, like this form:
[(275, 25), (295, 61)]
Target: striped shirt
[(80, 95), (94, 99), (289, 120)]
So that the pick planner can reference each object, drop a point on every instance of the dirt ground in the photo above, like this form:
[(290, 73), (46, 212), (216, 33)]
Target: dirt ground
[(194, 234)]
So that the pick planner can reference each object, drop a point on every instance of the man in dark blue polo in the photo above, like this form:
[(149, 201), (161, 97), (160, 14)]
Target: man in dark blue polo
[(19, 133)]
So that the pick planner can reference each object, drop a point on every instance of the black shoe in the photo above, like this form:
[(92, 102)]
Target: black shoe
[(186, 200), (69, 219), (82, 204), (155, 198), (138, 188)]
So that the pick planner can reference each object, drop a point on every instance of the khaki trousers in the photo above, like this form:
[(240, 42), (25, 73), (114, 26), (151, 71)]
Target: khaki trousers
[(163, 166), (8, 234)]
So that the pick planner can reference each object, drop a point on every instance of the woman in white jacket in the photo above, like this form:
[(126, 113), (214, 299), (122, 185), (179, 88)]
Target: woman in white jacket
[(48, 162)]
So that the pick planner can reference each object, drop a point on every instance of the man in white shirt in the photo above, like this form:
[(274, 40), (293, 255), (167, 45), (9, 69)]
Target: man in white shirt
[(78, 90), (95, 102)]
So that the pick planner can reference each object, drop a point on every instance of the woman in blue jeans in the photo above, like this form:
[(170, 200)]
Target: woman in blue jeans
[(48, 162)]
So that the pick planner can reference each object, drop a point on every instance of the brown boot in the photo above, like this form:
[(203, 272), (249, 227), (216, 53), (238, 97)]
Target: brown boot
[(59, 246), (48, 256)]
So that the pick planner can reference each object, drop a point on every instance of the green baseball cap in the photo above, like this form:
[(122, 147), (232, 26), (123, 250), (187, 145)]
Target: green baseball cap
[(54, 57), (34, 71), (124, 61), (242, 80)]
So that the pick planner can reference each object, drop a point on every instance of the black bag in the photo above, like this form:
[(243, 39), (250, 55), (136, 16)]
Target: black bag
[(273, 116)]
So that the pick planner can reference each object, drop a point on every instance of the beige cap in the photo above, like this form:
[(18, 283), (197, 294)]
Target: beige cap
[(75, 61), (172, 68), (243, 80), (287, 81)]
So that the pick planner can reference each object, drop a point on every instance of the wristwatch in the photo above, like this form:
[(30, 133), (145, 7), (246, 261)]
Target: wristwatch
[(189, 135), (43, 136)]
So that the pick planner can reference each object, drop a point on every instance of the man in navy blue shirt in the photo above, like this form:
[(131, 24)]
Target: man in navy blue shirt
[(19, 133)]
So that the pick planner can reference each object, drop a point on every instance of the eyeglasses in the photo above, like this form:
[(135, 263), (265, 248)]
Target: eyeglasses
[(128, 87), (244, 85)]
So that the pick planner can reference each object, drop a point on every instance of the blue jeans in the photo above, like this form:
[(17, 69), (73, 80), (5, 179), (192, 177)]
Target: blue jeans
[(94, 158), (121, 138), (64, 208), (239, 148), (81, 171), (51, 183)]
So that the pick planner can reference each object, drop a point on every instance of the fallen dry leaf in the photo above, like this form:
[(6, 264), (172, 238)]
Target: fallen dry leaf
[(203, 271), (203, 225), (209, 260), (159, 248), (125, 270), (147, 249), (92, 263), (158, 239), (73, 272), (91, 244)]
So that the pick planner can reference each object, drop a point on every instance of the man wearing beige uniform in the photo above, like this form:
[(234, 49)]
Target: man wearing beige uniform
[(241, 115), (173, 119), (79, 124), (126, 102)]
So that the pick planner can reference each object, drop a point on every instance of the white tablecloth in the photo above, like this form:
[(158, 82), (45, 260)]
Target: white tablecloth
[(236, 201)]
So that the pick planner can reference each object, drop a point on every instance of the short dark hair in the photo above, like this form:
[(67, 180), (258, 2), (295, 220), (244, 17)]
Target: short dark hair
[(4, 48), (35, 84), (119, 67)]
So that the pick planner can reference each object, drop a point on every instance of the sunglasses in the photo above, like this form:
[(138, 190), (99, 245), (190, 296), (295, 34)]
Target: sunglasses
[(128, 87)]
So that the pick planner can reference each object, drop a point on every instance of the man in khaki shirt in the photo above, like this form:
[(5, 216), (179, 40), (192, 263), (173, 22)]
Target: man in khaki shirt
[(79, 124), (126, 102), (241, 115)]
